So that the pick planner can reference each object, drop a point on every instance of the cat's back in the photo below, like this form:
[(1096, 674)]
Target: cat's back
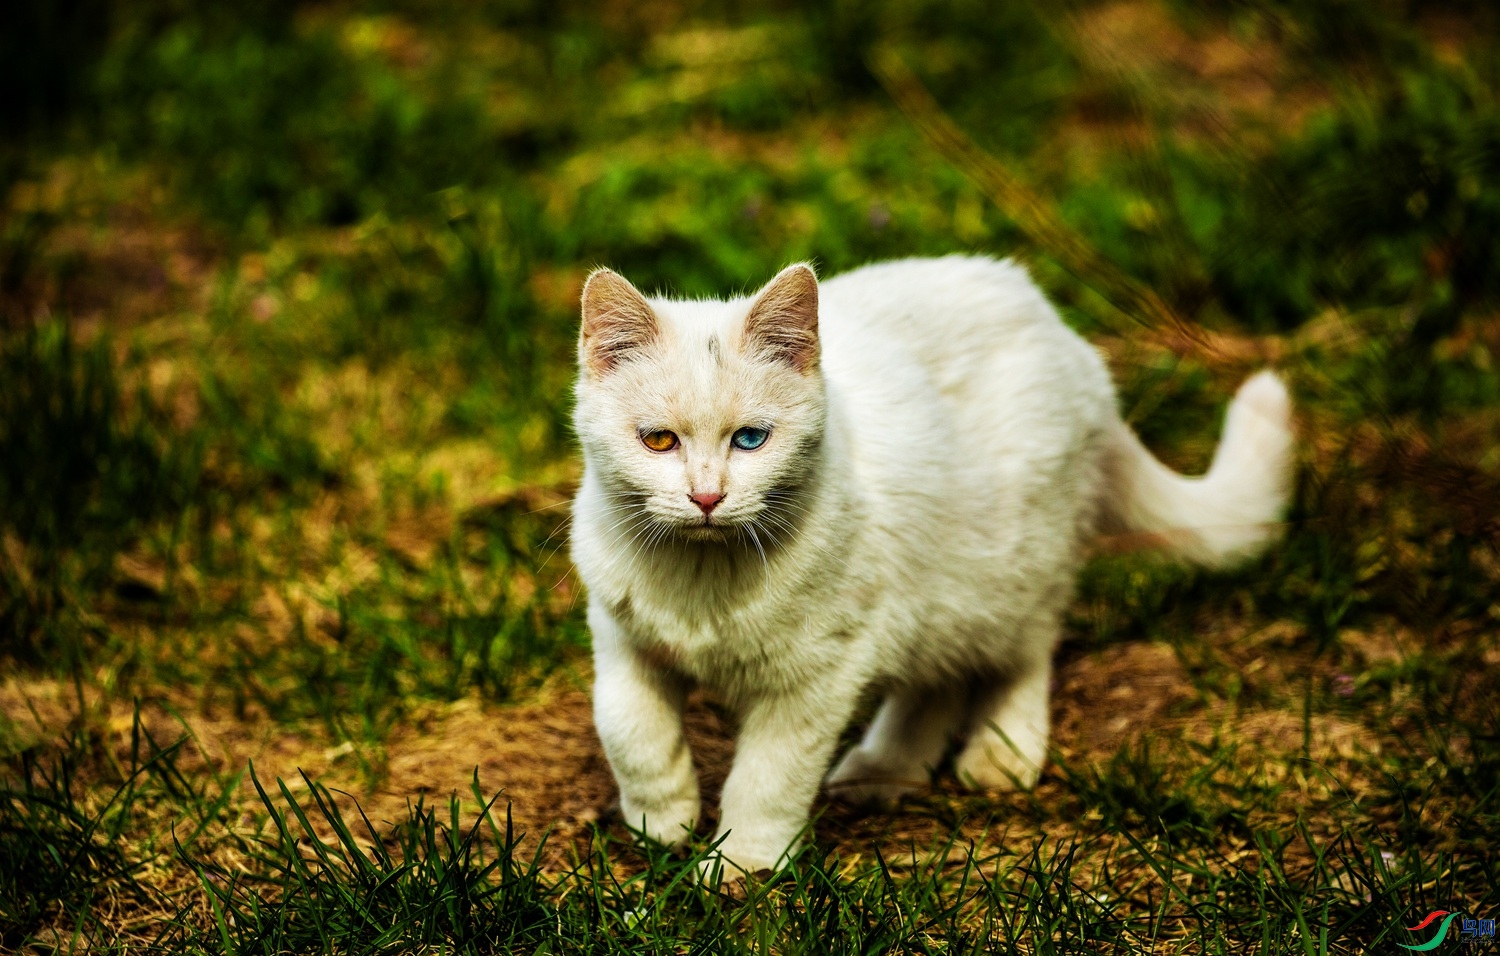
[(975, 420), (977, 329), (952, 315), (896, 293)]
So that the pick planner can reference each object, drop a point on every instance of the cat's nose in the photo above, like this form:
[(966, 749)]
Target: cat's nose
[(707, 500)]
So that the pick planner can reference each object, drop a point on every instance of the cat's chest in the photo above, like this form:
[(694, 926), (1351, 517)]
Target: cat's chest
[(755, 643), (696, 632)]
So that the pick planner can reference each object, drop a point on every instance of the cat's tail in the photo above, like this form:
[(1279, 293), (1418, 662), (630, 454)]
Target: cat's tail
[(1228, 515)]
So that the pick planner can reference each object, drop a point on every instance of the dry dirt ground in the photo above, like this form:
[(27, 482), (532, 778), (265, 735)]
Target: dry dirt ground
[(545, 757)]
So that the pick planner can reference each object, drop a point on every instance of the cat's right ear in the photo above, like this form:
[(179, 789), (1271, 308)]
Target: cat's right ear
[(617, 320)]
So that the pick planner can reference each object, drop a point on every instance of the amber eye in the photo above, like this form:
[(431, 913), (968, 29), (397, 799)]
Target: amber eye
[(659, 441)]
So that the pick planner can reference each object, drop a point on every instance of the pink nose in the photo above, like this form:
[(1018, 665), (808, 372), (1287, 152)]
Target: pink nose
[(706, 501)]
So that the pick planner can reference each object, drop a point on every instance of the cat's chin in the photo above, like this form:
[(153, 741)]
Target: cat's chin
[(703, 533)]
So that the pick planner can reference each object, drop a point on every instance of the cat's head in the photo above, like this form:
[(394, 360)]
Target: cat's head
[(703, 417)]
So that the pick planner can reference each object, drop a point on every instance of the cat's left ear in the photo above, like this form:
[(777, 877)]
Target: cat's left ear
[(783, 321)]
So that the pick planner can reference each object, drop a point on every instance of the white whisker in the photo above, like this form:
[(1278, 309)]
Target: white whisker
[(762, 552)]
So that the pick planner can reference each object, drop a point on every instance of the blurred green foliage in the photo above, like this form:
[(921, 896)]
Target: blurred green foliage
[(409, 189), (79, 476)]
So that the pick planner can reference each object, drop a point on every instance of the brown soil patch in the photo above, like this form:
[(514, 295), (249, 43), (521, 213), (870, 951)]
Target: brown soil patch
[(1215, 81), (116, 258), (545, 758)]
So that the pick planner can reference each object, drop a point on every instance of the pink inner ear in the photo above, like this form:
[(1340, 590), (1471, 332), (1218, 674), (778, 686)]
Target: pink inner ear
[(617, 320), (783, 321)]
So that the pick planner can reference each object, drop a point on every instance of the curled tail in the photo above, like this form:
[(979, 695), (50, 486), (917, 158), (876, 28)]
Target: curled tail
[(1228, 515)]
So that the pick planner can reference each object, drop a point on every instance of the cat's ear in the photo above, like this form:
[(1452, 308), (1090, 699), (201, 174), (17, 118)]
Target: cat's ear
[(783, 321), (617, 320)]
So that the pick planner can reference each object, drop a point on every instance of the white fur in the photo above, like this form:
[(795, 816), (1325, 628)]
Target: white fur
[(912, 529)]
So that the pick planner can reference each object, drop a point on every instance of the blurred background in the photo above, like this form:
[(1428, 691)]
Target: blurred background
[(288, 302)]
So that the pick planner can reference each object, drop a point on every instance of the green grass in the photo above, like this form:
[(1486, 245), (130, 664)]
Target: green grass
[(287, 319), (1155, 860)]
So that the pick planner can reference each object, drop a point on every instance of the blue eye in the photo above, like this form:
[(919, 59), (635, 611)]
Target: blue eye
[(749, 439)]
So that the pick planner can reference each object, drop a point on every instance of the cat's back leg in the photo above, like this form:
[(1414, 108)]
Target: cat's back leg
[(1009, 718), (904, 743)]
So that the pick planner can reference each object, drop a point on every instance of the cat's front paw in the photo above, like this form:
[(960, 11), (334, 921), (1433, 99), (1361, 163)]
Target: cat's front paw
[(669, 823), (730, 878), (863, 779), (732, 870)]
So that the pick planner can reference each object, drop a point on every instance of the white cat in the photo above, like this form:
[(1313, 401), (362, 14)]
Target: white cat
[(882, 484)]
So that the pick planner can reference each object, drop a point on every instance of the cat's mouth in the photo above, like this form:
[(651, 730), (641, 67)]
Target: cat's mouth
[(705, 527)]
